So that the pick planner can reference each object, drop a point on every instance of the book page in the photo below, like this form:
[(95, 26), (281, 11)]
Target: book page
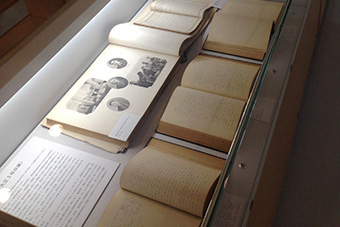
[(170, 180), (130, 209), (254, 8), (182, 7), (53, 184), (220, 76), (176, 16), (120, 84), (201, 117), (242, 36), (171, 22), (145, 38), (187, 153)]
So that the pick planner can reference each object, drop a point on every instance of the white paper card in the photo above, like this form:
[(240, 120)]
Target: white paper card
[(124, 126), (232, 207), (219, 3), (263, 109), (54, 185)]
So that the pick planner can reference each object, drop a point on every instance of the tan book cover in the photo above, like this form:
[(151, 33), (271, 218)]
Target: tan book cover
[(207, 107), (164, 185)]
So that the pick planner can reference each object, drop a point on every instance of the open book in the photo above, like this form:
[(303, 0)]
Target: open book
[(208, 105), (108, 103), (164, 185), (243, 28), (183, 16)]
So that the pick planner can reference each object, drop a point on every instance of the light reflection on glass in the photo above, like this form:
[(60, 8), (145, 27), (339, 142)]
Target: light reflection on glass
[(5, 194), (55, 130)]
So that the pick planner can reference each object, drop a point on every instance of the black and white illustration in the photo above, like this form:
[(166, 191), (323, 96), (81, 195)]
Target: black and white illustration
[(117, 82), (147, 70), (89, 96), (117, 63), (118, 104), (143, 74)]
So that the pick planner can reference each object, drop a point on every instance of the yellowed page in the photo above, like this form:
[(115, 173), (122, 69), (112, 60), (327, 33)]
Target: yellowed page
[(178, 16), (169, 179), (242, 36), (171, 22), (187, 153), (140, 37), (220, 76), (200, 117), (129, 209), (110, 92), (194, 8), (254, 8)]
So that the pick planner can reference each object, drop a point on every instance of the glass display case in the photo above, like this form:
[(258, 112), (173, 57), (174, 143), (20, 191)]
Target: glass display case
[(251, 178)]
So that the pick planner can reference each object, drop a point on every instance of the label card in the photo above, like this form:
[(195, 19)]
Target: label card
[(263, 109), (124, 126), (53, 184)]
